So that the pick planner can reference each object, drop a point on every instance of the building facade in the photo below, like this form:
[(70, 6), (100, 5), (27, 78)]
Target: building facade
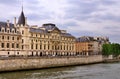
[(21, 39), (87, 45)]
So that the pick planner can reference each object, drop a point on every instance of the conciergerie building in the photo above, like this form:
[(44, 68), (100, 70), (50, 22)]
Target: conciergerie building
[(21, 39)]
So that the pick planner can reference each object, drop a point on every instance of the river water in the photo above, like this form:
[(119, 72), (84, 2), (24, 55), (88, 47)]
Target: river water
[(96, 71)]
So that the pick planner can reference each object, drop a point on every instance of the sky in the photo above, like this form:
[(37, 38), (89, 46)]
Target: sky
[(78, 17)]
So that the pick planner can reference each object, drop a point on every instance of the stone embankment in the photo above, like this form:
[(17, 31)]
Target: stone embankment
[(11, 64), (111, 60)]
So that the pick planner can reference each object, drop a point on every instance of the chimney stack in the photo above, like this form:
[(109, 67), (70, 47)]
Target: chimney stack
[(14, 21), (8, 24)]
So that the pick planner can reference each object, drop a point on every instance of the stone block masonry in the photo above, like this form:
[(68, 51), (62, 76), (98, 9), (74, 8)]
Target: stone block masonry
[(38, 63)]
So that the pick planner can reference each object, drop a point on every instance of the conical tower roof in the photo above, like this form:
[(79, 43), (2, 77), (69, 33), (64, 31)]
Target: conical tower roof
[(21, 19)]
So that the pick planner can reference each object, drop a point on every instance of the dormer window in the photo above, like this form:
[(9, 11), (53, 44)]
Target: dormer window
[(13, 31), (8, 31), (2, 30)]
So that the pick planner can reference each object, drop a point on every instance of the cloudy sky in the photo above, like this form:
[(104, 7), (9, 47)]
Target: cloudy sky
[(78, 17)]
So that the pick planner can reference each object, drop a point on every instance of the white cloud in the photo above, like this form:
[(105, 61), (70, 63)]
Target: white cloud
[(89, 17)]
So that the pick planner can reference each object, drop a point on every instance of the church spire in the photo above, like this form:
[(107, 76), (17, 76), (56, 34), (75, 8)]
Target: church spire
[(21, 20)]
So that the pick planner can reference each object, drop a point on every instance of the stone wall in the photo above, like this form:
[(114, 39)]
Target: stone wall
[(37, 63)]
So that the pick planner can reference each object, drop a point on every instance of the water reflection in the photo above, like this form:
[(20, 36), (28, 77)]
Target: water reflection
[(97, 71)]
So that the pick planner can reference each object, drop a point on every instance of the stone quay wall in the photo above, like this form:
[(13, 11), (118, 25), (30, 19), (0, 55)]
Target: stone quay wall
[(47, 62)]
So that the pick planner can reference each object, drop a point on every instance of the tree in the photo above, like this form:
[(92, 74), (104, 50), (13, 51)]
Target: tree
[(111, 49)]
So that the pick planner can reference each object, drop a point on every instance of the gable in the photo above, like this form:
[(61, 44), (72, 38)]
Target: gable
[(56, 30)]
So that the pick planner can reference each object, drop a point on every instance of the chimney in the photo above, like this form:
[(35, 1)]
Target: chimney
[(8, 24), (14, 21), (25, 21)]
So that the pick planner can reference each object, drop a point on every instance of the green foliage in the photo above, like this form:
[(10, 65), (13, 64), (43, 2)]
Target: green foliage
[(111, 49)]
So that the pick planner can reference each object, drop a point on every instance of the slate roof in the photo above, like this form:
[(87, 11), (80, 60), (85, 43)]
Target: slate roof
[(50, 26), (85, 39), (11, 26), (4, 24), (38, 30), (66, 34), (21, 19)]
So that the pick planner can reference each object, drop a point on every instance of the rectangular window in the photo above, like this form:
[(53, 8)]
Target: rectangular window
[(17, 45), (40, 46), (22, 41), (64, 47), (12, 45), (17, 38), (36, 46), (7, 45), (8, 37), (48, 47), (2, 45), (12, 38), (31, 46), (22, 47)]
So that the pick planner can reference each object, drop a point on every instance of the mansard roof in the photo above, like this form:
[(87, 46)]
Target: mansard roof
[(67, 35), (85, 39), (21, 19), (47, 28), (50, 27), (37, 30), (4, 24)]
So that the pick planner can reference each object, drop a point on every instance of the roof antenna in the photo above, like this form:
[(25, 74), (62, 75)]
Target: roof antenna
[(22, 5)]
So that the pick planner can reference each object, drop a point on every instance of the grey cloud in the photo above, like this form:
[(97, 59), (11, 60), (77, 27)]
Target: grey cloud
[(108, 2), (37, 17), (80, 10), (9, 2), (76, 10)]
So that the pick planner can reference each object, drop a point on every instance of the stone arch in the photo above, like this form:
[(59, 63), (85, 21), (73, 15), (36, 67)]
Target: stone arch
[(32, 54), (40, 53), (36, 53), (67, 54)]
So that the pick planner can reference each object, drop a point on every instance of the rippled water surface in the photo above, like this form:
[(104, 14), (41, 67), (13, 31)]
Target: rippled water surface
[(96, 71)]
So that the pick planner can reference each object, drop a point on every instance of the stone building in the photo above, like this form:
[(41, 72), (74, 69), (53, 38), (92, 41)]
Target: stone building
[(24, 40), (87, 45)]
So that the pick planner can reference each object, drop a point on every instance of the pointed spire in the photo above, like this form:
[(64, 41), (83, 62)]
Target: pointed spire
[(21, 20), (22, 5)]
